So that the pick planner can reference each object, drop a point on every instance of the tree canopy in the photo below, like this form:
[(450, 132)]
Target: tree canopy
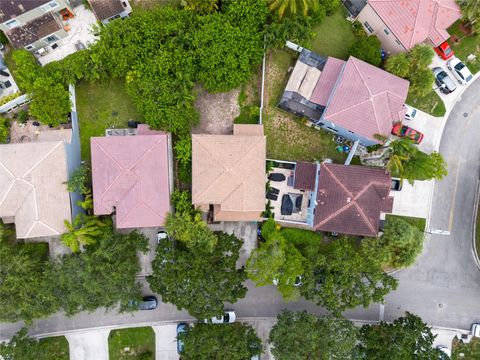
[(220, 341), (406, 338), (367, 48), (471, 13), (301, 335), (197, 279), (23, 347)]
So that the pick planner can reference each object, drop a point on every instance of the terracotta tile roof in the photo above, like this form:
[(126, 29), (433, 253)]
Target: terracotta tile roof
[(367, 100), (414, 21), (228, 171), (350, 199), (326, 82), (104, 9), (305, 174), (10, 9), (34, 30), (130, 175), (32, 189)]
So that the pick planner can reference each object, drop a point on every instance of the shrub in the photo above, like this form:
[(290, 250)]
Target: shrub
[(4, 130), (367, 49)]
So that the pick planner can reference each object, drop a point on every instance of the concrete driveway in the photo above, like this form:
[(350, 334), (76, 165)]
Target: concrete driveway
[(88, 345), (166, 342), (413, 200)]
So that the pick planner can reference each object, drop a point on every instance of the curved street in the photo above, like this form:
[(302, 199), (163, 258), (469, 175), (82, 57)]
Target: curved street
[(443, 287)]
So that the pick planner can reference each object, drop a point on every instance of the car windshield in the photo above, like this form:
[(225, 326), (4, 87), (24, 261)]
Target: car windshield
[(448, 51), (226, 318), (459, 66), (414, 112), (442, 75), (415, 136), (403, 130)]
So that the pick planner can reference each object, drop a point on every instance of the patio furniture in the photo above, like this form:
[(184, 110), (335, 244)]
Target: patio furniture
[(298, 202), (274, 191), (271, 196), (287, 205), (276, 177)]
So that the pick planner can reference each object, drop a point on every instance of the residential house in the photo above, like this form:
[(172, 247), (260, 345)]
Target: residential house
[(400, 25), (109, 10), (352, 98), (33, 194), (344, 199), (132, 177), (228, 174)]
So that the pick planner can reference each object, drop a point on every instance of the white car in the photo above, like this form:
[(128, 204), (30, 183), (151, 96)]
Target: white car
[(459, 70), (445, 350), (411, 113), (476, 330), (227, 318), (161, 235)]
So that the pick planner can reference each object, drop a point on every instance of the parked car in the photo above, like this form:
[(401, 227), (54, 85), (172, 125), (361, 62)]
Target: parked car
[(443, 81), (181, 328), (459, 70), (161, 235), (476, 330), (444, 50), (405, 131), (411, 113), (445, 351), (396, 185), (298, 281), (148, 303), (227, 318)]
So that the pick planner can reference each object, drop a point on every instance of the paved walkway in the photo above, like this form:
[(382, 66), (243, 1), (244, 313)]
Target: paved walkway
[(88, 345), (166, 342)]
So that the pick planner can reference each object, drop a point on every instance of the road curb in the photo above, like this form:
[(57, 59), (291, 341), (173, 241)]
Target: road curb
[(475, 213)]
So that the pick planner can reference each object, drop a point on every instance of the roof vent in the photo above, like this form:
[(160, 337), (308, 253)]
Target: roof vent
[(349, 199), (20, 6)]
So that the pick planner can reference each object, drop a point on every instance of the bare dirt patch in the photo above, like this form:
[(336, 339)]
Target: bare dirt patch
[(217, 111)]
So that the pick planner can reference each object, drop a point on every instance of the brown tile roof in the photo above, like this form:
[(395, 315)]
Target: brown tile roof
[(34, 30), (350, 199), (229, 171), (104, 9), (130, 174), (9, 9), (305, 174), (32, 188)]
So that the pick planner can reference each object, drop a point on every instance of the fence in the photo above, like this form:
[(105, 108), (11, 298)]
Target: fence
[(14, 104)]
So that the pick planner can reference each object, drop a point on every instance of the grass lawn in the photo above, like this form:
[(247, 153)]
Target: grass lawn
[(56, 348), (288, 137), (470, 351), (465, 46), (334, 35), (431, 104), (419, 223), (140, 341), (101, 106)]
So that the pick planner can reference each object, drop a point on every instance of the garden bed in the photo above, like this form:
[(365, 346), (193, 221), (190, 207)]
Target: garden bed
[(133, 343), (55, 348), (100, 106)]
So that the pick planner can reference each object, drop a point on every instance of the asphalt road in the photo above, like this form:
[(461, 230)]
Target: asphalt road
[(443, 287)]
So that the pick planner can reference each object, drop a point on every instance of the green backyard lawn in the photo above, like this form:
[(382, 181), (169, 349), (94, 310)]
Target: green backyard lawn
[(133, 343), (334, 35), (56, 348), (466, 45), (100, 106), (431, 104)]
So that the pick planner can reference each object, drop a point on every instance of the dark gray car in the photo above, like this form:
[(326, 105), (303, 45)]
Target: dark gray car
[(444, 82)]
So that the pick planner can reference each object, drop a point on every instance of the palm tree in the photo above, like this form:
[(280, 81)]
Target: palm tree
[(85, 230), (471, 13), (293, 6)]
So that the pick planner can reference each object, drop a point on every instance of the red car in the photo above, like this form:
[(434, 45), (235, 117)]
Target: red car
[(405, 131), (444, 50)]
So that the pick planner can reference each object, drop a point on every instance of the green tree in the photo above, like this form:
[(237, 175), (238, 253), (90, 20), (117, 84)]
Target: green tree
[(104, 275), (4, 130), (330, 5), (301, 336), (85, 230), (471, 13), (296, 28), (24, 292), (197, 280), (293, 7), (22, 347), (220, 341), (80, 181), (182, 202), (276, 262), (345, 278), (398, 64), (367, 49), (27, 69), (183, 151), (51, 101), (200, 6), (191, 230), (406, 338)]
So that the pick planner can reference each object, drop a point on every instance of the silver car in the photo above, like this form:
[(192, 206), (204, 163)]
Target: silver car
[(444, 82)]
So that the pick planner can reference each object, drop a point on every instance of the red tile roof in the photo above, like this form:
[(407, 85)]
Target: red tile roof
[(367, 100), (305, 175), (414, 21), (130, 174), (350, 199), (326, 82)]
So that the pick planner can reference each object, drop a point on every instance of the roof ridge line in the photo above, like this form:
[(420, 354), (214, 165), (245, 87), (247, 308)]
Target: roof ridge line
[(337, 180), (43, 157), (365, 219), (410, 42)]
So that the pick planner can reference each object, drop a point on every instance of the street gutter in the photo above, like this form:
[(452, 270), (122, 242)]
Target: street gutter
[(475, 214)]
